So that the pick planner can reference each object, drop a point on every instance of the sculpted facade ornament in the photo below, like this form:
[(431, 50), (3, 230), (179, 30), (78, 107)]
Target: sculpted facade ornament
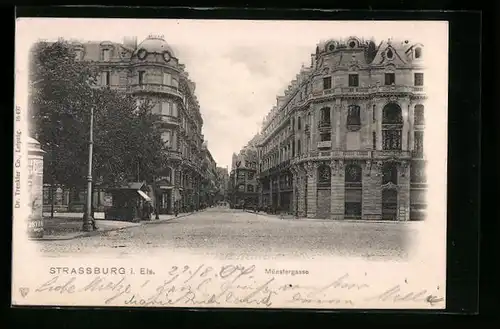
[(404, 168), (310, 168), (368, 167), (337, 167)]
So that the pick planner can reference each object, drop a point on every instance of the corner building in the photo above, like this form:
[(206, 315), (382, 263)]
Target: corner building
[(345, 141), (150, 70)]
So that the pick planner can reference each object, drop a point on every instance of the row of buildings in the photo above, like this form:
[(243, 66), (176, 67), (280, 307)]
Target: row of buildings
[(346, 140), (150, 70)]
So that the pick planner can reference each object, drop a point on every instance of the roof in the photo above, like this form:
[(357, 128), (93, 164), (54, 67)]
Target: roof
[(129, 186), (155, 44)]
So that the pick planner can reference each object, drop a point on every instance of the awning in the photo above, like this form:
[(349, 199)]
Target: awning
[(144, 195)]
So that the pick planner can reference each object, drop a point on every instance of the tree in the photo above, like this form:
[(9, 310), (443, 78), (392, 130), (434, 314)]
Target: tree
[(62, 92)]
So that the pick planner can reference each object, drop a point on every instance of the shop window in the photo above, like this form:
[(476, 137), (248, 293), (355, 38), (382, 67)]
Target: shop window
[(324, 175)]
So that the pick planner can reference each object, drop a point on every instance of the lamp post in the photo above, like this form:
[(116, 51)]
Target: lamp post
[(88, 221)]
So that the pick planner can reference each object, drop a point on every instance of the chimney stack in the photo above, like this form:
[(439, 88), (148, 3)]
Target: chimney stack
[(130, 42)]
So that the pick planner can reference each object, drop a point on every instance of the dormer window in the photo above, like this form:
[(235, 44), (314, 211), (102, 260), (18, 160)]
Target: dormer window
[(352, 44), (331, 47), (418, 52), (389, 54), (105, 54)]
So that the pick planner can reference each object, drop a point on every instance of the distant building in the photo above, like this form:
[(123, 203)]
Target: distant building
[(150, 70), (243, 177), (223, 183), (346, 138), (209, 188)]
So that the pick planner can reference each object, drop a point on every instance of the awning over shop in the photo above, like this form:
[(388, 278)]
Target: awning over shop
[(144, 195)]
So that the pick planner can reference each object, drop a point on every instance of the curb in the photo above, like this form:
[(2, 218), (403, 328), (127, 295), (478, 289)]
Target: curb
[(99, 232)]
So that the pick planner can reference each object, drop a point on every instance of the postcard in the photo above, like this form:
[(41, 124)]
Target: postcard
[(230, 163)]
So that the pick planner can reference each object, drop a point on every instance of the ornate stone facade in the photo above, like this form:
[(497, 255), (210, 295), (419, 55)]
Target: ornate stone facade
[(150, 71), (350, 130)]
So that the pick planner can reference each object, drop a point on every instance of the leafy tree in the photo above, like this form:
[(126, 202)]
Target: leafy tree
[(62, 93)]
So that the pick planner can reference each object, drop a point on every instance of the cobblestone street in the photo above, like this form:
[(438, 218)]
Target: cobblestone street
[(232, 234)]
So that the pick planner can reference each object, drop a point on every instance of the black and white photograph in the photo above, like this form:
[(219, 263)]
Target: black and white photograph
[(230, 163)]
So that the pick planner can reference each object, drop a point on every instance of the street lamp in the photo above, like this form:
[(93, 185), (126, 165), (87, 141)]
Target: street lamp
[(88, 221)]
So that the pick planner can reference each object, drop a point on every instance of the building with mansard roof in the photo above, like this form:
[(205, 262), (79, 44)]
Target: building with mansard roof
[(346, 138), (243, 176), (150, 70)]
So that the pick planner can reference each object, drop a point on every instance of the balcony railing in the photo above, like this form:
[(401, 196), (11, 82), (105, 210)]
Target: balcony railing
[(391, 154), (155, 88), (324, 125), (324, 144), (365, 90), (169, 119)]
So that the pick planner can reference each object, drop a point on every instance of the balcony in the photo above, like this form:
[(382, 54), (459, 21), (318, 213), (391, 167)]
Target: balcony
[(324, 126), (392, 154), (169, 120), (337, 91), (324, 144), (174, 155), (351, 154), (155, 88)]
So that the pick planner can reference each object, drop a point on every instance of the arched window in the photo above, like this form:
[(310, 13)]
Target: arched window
[(418, 115), (353, 175), (392, 125), (324, 177), (418, 52), (389, 173), (353, 118), (392, 114)]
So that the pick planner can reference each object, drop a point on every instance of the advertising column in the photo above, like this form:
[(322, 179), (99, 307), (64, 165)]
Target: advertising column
[(35, 188)]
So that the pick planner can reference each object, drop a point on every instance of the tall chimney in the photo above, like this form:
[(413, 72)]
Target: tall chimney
[(130, 42), (313, 59)]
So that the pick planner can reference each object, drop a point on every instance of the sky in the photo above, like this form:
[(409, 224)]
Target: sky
[(239, 67)]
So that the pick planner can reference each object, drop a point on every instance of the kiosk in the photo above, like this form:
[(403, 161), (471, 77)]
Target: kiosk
[(128, 202)]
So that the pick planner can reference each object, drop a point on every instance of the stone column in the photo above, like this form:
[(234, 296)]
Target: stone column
[(312, 188), (337, 189), (403, 192), (301, 191), (336, 125), (405, 111), (372, 191)]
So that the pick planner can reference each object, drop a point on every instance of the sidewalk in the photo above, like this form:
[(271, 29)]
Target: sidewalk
[(68, 226), (292, 217)]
